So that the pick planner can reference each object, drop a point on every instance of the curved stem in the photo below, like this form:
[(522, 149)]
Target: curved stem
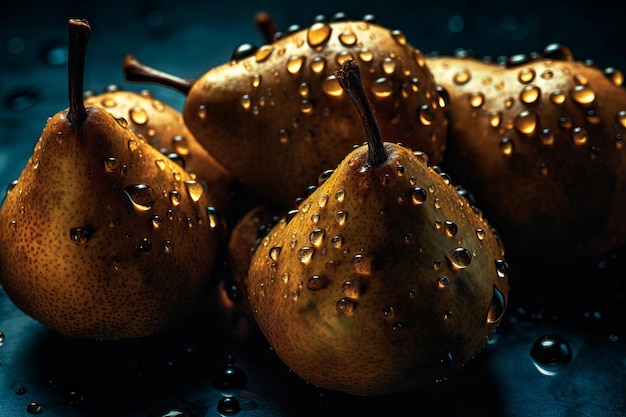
[(135, 71), (349, 78), (79, 30), (266, 24)]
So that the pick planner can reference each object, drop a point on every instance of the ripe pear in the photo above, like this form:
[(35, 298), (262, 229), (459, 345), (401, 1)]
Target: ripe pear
[(102, 237), (386, 279), (283, 101), (162, 126), (539, 140)]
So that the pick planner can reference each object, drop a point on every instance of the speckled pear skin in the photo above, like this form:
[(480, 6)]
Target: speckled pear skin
[(539, 142), (102, 237), (385, 280), (162, 127), (277, 119)]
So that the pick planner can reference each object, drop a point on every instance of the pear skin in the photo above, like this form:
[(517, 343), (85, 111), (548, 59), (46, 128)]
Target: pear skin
[(162, 126)]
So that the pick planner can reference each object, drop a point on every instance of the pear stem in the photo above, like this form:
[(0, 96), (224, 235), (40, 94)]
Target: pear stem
[(349, 78), (135, 71), (79, 30), (266, 25)]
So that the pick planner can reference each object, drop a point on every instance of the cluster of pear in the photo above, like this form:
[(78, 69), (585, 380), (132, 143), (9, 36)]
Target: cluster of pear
[(368, 270)]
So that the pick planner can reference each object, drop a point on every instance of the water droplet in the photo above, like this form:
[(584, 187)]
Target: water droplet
[(213, 215), (316, 237), (138, 115), (345, 306), (443, 282), (80, 235), (388, 65), (195, 189), (507, 147), (480, 234), (418, 195), (547, 137), (228, 406), (294, 64), (615, 75), (143, 245), (389, 312), (2, 337), (274, 252), (579, 135), (34, 408), (318, 64), (111, 164), (582, 94), (175, 197), (495, 118), (141, 196), (340, 196), (341, 217), (550, 353), (530, 95), (526, 122), (318, 34), (361, 263), (459, 257), (353, 288), (263, 53), (462, 77), (168, 247), (502, 268), (426, 115), (497, 307), (331, 86), (317, 282), (365, 55), (526, 75), (305, 254), (476, 100), (337, 242), (382, 87), (451, 228)]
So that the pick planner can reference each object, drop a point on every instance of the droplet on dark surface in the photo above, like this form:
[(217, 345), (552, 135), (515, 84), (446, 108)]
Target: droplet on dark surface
[(549, 353), (34, 408), (228, 406)]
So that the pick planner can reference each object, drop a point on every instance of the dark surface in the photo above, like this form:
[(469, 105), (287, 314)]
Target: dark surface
[(559, 352)]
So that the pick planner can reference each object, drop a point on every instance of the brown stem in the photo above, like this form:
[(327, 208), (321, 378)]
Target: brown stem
[(266, 24), (349, 78), (135, 71), (79, 30)]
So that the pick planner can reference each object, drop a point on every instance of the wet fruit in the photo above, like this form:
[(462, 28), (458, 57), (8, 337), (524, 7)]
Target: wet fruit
[(103, 237), (267, 114), (539, 140), (385, 279)]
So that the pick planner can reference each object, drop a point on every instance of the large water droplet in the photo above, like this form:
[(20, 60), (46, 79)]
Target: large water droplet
[(317, 282), (361, 263), (80, 235), (195, 189), (459, 257), (550, 353), (141, 196), (228, 406), (305, 254), (318, 34), (497, 307), (345, 306)]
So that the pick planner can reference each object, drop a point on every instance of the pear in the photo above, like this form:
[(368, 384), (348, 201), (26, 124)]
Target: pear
[(282, 101), (162, 126), (539, 139), (103, 237), (386, 278)]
